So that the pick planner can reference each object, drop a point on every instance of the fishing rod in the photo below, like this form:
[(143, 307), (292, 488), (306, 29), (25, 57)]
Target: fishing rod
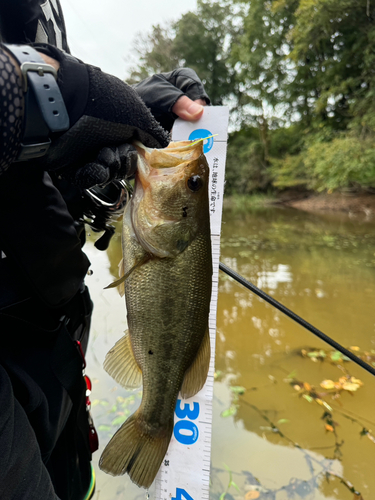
[(240, 279)]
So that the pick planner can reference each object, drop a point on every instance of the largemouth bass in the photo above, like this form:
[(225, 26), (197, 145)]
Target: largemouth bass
[(167, 268)]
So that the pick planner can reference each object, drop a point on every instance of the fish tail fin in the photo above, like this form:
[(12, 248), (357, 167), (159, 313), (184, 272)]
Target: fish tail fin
[(136, 452)]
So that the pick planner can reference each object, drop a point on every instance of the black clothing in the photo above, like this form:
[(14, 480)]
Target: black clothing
[(11, 109), (44, 309), (43, 419), (28, 21), (161, 92), (38, 236)]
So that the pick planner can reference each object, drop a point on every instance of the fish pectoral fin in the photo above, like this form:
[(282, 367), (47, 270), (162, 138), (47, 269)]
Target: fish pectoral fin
[(133, 449), (120, 363), (121, 272), (118, 282), (196, 374)]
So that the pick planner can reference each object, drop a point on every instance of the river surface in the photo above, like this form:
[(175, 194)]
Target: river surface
[(277, 433)]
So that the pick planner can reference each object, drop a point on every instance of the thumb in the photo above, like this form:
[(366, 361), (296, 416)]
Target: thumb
[(187, 109)]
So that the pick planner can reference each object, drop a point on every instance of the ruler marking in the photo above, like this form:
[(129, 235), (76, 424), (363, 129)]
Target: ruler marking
[(189, 471)]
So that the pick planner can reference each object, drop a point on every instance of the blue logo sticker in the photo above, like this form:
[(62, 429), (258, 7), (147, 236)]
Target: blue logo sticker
[(201, 133)]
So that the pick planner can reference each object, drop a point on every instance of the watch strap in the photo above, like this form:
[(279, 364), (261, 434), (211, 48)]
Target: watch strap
[(45, 110)]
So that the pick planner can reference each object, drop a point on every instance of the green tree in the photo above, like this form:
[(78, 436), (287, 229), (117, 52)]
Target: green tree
[(201, 40), (155, 53)]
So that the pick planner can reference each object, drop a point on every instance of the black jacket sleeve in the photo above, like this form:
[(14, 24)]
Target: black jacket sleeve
[(28, 21), (22, 472)]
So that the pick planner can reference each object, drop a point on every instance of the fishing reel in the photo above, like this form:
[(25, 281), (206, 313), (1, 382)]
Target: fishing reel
[(103, 205)]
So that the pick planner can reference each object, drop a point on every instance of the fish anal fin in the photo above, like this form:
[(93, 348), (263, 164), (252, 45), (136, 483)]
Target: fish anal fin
[(135, 451), (120, 363), (196, 374), (118, 282)]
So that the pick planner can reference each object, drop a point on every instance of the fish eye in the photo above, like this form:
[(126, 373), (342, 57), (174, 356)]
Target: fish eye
[(194, 183)]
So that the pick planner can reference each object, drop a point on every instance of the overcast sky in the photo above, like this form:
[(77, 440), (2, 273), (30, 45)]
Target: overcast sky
[(102, 32)]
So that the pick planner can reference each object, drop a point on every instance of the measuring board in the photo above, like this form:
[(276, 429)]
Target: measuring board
[(185, 471)]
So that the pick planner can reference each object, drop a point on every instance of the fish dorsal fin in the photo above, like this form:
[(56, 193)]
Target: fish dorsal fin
[(118, 282), (121, 364), (196, 374)]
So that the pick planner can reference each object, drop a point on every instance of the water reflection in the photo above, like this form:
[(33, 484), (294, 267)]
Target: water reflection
[(270, 279), (323, 268)]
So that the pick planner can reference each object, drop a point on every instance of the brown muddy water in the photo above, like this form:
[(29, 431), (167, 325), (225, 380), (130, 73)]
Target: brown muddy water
[(277, 433)]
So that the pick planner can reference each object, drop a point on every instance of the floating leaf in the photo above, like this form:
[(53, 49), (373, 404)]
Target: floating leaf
[(323, 403), (308, 398), (327, 384), (336, 356), (313, 354), (104, 428), (283, 421), (307, 386), (238, 389), (119, 420), (349, 386), (232, 483), (354, 348), (100, 402), (252, 495), (218, 374), (329, 428), (232, 410), (113, 409)]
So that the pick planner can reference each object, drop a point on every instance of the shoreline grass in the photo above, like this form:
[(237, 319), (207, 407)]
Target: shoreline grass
[(247, 202)]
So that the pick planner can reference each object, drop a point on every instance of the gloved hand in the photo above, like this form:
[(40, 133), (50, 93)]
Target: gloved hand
[(161, 92), (104, 113)]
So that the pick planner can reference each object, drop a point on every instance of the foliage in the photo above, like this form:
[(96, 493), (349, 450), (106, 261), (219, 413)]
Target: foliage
[(346, 161), (155, 53), (246, 168), (179, 44), (298, 76)]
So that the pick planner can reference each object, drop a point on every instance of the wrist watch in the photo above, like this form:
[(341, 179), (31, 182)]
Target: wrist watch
[(45, 110)]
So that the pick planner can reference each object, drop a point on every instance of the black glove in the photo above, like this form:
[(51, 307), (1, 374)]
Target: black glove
[(111, 163), (161, 92), (104, 113)]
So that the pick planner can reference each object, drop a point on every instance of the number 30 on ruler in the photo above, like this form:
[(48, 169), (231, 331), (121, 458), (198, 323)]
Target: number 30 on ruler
[(185, 425)]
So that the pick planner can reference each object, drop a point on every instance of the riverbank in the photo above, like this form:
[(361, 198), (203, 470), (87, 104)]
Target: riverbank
[(339, 202), (348, 202)]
